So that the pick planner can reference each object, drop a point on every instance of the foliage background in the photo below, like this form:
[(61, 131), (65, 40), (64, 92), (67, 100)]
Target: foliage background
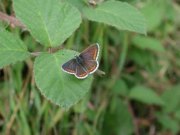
[(140, 93)]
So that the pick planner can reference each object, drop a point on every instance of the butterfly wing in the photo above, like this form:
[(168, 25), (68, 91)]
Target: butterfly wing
[(90, 56), (89, 65), (81, 72), (90, 53), (70, 66)]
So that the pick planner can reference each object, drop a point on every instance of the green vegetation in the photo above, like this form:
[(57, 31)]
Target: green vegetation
[(139, 53)]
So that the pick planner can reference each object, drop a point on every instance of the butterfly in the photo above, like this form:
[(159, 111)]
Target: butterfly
[(84, 64)]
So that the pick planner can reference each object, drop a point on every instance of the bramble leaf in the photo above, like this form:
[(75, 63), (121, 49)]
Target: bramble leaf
[(12, 49), (118, 14), (61, 88), (145, 95), (51, 22), (148, 43)]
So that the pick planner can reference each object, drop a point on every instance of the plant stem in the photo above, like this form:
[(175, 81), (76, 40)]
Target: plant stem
[(121, 62), (35, 53), (131, 111), (11, 20), (50, 50), (124, 53), (21, 97)]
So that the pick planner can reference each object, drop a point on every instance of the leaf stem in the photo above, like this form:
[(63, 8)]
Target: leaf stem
[(11, 20), (50, 49), (35, 53)]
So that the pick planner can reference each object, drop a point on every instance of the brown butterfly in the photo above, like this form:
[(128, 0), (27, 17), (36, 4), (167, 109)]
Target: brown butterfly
[(84, 64)]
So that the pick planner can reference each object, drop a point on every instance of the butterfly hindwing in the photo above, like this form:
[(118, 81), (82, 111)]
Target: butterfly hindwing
[(81, 72), (91, 66)]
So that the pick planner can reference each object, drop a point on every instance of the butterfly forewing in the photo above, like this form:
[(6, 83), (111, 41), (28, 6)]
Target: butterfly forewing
[(91, 53), (70, 66)]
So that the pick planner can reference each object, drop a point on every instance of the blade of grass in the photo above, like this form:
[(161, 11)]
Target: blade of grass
[(20, 100), (123, 55)]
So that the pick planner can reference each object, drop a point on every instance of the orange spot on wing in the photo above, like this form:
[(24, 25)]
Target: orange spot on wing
[(92, 68), (95, 55), (82, 75)]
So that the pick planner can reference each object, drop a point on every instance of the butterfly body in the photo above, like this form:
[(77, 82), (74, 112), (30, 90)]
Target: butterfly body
[(84, 64), (79, 60)]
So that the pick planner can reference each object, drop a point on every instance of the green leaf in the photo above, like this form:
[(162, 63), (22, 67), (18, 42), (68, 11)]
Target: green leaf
[(145, 95), (171, 98), (61, 88), (51, 22), (12, 49), (148, 43), (120, 88), (118, 14), (154, 14), (117, 119), (177, 114), (137, 55), (168, 123), (79, 4), (82, 106)]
